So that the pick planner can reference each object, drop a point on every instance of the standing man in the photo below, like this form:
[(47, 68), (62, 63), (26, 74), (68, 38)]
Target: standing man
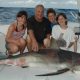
[(39, 30)]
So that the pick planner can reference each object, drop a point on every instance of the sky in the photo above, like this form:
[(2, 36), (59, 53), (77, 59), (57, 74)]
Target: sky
[(47, 3)]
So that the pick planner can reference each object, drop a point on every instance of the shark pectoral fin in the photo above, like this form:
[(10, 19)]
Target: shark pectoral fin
[(55, 73)]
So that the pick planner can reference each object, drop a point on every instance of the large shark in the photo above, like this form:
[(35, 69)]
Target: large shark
[(61, 59)]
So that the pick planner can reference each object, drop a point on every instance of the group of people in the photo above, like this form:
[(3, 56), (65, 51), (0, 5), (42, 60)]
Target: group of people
[(41, 32)]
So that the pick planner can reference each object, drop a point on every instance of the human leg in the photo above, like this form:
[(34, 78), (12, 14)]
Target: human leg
[(29, 43), (12, 48), (22, 45)]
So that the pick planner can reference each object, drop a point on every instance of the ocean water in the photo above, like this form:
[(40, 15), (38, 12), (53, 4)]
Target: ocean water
[(8, 14)]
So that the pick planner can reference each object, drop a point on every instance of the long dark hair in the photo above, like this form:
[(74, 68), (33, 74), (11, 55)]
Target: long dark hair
[(21, 13), (61, 14)]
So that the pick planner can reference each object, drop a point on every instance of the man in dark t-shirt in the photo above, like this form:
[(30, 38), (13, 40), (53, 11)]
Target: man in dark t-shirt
[(39, 30)]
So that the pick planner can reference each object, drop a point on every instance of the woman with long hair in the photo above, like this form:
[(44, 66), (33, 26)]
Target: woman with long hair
[(15, 36)]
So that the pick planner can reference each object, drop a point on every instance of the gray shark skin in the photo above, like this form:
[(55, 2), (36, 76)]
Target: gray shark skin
[(44, 57)]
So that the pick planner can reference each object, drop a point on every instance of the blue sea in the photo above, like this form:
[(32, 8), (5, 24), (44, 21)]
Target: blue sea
[(8, 14)]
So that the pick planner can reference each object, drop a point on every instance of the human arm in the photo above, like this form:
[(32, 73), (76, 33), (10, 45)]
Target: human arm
[(9, 37), (74, 44), (30, 26), (73, 41), (47, 40), (33, 41)]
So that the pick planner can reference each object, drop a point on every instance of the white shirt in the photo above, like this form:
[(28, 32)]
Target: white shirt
[(68, 34)]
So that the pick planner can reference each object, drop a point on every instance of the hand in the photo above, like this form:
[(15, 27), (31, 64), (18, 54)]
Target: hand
[(35, 45), (47, 42)]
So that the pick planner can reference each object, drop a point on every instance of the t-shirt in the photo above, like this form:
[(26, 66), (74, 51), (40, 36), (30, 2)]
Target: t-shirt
[(40, 29), (67, 35), (53, 24)]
